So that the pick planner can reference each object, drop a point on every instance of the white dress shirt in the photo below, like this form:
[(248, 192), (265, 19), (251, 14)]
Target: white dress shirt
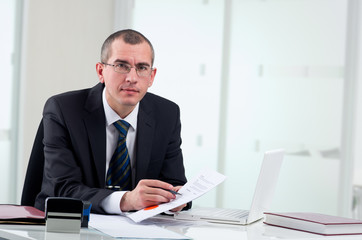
[(111, 204)]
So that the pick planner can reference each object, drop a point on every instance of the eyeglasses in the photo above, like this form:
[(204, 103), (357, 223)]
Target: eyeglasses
[(141, 70)]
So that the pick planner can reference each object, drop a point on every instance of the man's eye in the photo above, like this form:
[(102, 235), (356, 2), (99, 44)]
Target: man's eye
[(142, 68), (122, 65)]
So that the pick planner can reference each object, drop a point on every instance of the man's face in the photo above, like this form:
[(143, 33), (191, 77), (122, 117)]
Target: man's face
[(125, 90)]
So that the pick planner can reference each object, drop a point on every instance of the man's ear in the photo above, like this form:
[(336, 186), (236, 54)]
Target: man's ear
[(153, 74), (99, 70)]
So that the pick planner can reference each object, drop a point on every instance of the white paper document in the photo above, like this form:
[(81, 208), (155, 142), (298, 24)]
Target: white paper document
[(119, 226), (199, 185)]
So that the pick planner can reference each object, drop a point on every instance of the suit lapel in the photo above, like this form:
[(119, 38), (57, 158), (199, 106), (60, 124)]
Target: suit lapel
[(94, 120), (145, 130)]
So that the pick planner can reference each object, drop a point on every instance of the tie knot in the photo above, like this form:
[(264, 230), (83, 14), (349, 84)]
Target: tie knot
[(122, 126)]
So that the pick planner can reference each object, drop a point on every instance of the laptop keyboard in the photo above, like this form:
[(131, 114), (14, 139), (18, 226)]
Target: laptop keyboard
[(230, 213)]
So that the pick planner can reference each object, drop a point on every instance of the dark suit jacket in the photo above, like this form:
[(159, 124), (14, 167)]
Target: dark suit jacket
[(75, 145)]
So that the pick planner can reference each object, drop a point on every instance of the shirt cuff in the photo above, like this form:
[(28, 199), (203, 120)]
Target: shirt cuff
[(111, 204)]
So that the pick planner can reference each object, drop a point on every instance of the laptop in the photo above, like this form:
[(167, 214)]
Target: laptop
[(262, 199)]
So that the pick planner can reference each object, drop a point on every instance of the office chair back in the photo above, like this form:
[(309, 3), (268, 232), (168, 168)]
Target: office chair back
[(34, 172)]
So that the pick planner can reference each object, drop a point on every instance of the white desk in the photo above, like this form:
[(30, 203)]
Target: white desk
[(202, 231), (22, 232)]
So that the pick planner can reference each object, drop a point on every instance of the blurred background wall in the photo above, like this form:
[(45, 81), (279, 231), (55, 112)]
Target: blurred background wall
[(249, 76)]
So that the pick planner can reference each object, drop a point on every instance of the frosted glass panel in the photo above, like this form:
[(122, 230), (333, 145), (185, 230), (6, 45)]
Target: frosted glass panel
[(286, 90)]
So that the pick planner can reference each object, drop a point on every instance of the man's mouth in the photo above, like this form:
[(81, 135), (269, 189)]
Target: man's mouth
[(129, 89)]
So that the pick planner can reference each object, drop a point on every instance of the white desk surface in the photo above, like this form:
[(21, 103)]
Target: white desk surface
[(202, 231)]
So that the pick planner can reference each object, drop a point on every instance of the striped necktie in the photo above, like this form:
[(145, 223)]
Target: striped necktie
[(119, 170)]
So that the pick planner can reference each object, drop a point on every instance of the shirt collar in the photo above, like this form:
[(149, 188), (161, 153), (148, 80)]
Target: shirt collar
[(112, 116)]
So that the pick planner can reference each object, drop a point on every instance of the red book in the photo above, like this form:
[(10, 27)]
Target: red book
[(314, 223), (16, 214)]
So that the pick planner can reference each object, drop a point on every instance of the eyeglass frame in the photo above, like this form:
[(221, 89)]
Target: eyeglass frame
[(129, 67)]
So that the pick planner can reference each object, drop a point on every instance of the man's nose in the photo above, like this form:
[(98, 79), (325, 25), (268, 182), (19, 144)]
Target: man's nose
[(132, 75)]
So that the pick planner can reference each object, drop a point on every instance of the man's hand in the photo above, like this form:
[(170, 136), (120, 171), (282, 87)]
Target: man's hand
[(179, 208), (147, 193)]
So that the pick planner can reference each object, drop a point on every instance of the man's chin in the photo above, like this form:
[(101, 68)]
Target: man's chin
[(129, 103)]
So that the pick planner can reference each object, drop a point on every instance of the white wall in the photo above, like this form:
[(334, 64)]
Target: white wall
[(61, 45)]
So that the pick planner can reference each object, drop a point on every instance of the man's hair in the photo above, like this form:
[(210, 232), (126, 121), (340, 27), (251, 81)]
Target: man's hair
[(128, 36)]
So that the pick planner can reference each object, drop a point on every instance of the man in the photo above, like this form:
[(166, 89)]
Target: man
[(80, 136)]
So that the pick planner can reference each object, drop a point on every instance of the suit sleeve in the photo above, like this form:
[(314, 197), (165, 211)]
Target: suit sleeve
[(65, 169)]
